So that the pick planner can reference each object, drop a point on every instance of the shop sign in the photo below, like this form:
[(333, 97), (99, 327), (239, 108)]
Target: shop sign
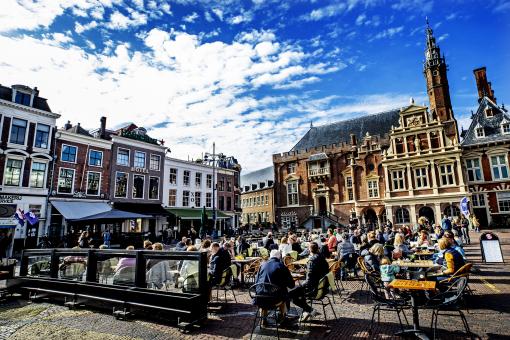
[(140, 170), (10, 198), (79, 194)]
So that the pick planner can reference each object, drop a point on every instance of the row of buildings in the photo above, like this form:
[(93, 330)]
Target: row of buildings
[(396, 165), (74, 179)]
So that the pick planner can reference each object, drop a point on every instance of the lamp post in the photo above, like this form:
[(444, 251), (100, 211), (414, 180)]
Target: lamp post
[(208, 157)]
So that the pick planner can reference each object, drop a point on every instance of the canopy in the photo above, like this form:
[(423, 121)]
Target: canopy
[(78, 209), (195, 214), (152, 209), (113, 214), (7, 226)]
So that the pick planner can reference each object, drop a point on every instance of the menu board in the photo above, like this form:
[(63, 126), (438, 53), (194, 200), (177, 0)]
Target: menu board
[(491, 251)]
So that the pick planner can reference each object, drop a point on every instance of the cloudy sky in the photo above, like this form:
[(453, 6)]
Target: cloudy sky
[(250, 75)]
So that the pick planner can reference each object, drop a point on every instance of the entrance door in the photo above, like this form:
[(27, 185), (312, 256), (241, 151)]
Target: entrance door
[(428, 213), (370, 219), (323, 206), (152, 229), (481, 215)]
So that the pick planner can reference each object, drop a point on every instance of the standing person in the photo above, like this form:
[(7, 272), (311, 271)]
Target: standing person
[(107, 238), (446, 224), (464, 229), (332, 241), (83, 241)]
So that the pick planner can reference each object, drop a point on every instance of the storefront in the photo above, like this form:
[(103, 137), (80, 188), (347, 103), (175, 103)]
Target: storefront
[(183, 219)]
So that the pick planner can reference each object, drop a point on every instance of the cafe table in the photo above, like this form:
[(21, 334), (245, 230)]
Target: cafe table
[(304, 261), (413, 287), (415, 264), (243, 263)]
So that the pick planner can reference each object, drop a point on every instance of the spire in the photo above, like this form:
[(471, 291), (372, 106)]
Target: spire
[(311, 124), (431, 41), (432, 53)]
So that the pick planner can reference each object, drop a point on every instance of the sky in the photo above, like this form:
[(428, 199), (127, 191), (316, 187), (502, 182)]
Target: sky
[(249, 75)]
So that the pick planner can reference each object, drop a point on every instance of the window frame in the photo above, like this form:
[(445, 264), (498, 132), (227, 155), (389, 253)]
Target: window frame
[(373, 192), (89, 158), (115, 184), (25, 138), (290, 194), (398, 179), (47, 139), (170, 175), (184, 176), (477, 130), (475, 198), (198, 199), (144, 159), (188, 196), (474, 169), (174, 191), (503, 125), (133, 187), (151, 163), (198, 184), (403, 216), (291, 168), (506, 200), (349, 185), (499, 166), (159, 184), (62, 153), (22, 160), (72, 183), (208, 181), (421, 178), (208, 196), (98, 185), (128, 157), (44, 175), (444, 174)]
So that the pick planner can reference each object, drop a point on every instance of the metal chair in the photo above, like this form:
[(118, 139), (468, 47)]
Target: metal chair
[(381, 303), (225, 284), (250, 273), (448, 302), (463, 271), (267, 298), (318, 295)]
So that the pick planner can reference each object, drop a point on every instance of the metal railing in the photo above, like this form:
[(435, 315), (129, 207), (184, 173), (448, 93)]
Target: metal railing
[(318, 172)]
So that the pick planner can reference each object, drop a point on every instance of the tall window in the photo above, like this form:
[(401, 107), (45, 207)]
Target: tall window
[(154, 163), (499, 167), (198, 199), (69, 153), (172, 197), (95, 158), (292, 193), (209, 181), (474, 170), (185, 178), (478, 200), (229, 186), (185, 198), (139, 159), (229, 203), (153, 188), (93, 183), (221, 204), (12, 174), (398, 179), (121, 181), (138, 186), (65, 181), (173, 176), (123, 157), (291, 168), (22, 98), (373, 188), (267, 199), (420, 177), (503, 201), (221, 185), (446, 174), (251, 202), (198, 179), (37, 175), (41, 136), (258, 200), (350, 189), (18, 131), (208, 200), (402, 216)]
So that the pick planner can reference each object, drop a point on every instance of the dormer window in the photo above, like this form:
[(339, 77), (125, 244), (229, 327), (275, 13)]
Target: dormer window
[(22, 98), (480, 133), (489, 112), (505, 128)]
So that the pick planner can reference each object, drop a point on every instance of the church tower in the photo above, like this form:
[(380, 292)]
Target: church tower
[(438, 91)]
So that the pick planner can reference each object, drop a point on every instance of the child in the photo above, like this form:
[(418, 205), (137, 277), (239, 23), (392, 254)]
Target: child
[(388, 272)]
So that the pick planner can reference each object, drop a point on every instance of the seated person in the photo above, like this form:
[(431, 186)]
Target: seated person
[(151, 262), (450, 235), (423, 239), (268, 241), (188, 269), (388, 272), (183, 244), (242, 246), (220, 260), (285, 248), (126, 261), (295, 245), (401, 249), (372, 256), (332, 242), (147, 245), (450, 261)]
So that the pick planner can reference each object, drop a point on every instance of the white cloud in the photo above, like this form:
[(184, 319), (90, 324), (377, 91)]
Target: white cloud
[(218, 12), (423, 6), (191, 17), (325, 12), (361, 19), (121, 22), (79, 28), (443, 37), (387, 33)]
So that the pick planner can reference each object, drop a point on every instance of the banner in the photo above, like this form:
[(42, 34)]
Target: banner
[(464, 206)]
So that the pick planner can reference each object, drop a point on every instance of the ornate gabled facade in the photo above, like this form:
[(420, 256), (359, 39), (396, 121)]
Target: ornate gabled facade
[(486, 146)]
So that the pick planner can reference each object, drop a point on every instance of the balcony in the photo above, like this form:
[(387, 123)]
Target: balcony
[(318, 172)]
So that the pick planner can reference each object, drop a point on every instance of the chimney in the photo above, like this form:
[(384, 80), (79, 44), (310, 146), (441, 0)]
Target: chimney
[(102, 131), (68, 125), (483, 86), (353, 139)]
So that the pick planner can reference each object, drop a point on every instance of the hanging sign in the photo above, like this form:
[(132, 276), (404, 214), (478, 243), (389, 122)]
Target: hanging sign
[(491, 248)]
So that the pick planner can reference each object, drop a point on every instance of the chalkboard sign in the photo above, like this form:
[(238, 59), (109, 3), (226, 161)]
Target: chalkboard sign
[(491, 248)]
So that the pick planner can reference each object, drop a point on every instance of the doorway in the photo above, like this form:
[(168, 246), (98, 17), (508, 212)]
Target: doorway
[(323, 206), (370, 219), (428, 213), (481, 215)]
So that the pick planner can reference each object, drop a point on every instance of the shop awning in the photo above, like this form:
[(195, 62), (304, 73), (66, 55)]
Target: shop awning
[(142, 208), (75, 210), (114, 214), (195, 214), (7, 226)]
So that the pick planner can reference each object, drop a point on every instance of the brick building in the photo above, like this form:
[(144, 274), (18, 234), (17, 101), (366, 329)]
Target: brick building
[(26, 144), (257, 191), (486, 146)]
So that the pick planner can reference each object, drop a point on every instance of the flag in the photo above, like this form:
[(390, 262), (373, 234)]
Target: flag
[(464, 207), (20, 217), (31, 218)]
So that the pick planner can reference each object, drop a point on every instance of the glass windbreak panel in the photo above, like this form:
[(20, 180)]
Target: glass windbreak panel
[(39, 266), (122, 271), (173, 275), (73, 267)]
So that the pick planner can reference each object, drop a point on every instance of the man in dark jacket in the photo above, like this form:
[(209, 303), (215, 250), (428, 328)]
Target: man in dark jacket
[(220, 260), (268, 242)]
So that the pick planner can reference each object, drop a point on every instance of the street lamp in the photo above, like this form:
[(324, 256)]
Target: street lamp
[(208, 157)]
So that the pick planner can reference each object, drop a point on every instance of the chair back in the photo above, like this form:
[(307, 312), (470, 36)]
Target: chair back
[(125, 275), (322, 288), (234, 270), (376, 288), (250, 252), (363, 266), (463, 271), (335, 266), (293, 254), (331, 280), (225, 277), (266, 295), (263, 252), (287, 260), (452, 295), (190, 283)]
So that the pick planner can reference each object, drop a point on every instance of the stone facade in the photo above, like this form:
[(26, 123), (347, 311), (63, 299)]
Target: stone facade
[(257, 196)]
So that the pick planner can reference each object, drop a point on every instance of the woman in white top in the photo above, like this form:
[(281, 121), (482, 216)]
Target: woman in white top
[(284, 247)]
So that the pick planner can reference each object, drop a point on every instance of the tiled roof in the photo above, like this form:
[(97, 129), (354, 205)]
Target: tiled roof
[(491, 125), (258, 176), (318, 157), (39, 102), (78, 130), (378, 124)]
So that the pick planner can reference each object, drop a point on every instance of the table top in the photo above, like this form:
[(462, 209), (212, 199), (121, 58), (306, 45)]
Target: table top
[(415, 264), (412, 285), (424, 253), (304, 261)]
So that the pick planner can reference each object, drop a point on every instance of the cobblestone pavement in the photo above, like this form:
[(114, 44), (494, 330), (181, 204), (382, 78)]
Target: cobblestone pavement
[(488, 316)]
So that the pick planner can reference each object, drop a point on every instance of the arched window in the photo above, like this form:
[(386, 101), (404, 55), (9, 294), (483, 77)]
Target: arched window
[(402, 216), (451, 211)]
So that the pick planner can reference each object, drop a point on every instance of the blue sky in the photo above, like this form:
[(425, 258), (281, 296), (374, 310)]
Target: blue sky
[(250, 75)]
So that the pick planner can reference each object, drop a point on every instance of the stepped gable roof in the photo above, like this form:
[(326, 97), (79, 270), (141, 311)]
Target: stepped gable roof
[(378, 124), (258, 176), (39, 102), (491, 125)]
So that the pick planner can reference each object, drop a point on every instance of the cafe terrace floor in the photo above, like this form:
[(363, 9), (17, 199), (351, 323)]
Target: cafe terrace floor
[(488, 316)]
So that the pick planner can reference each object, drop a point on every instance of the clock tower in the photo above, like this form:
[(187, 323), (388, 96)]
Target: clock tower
[(435, 69)]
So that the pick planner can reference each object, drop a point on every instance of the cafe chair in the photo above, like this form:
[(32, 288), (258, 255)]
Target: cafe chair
[(190, 283), (250, 273), (40, 268), (225, 284), (72, 271), (334, 270), (381, 303), (267, 298), (319, 295), (124, 276), (463, 271), (366, 271), (263, 252), (448, 303)]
